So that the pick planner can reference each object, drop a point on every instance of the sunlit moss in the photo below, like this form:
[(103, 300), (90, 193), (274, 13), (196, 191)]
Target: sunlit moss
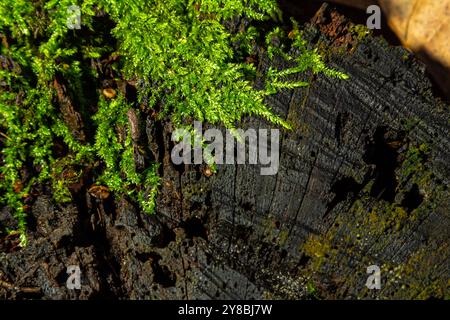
[(186, 63)]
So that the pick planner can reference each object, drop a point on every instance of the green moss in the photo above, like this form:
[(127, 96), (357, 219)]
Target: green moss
[(359, 32), (187, 65), (414, 159), (362, 235), (319, 249), (64, 174), (414, 270), (283, 237), (311, 290)]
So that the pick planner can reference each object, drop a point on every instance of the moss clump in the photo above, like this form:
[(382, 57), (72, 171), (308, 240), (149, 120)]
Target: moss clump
[(360, 32), (375, 231), (317, 247), (183, 61)]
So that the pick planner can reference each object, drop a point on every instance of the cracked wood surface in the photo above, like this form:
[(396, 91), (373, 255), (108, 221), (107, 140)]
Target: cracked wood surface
[(356, 187)]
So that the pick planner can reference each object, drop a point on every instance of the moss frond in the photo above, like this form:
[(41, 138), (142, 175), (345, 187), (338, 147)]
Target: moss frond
[(185, 60)]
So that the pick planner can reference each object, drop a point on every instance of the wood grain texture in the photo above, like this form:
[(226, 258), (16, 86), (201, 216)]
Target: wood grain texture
[(356, 187)]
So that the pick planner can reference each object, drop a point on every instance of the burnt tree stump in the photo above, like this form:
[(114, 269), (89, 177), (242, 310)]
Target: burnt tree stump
[(363, 180)]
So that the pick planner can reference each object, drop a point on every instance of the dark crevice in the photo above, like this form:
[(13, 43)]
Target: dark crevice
[(412, 199), (381, 151), (165, 236), (194, 227), (342, 188), (162, 274)]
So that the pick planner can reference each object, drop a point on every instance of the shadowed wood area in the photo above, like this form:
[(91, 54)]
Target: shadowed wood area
[(363, 180)]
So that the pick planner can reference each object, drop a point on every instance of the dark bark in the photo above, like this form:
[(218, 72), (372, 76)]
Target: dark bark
[(350, 193)]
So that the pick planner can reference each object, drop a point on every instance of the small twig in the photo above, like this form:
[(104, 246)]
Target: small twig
[(4, 135), (30, 290), (10, 286)]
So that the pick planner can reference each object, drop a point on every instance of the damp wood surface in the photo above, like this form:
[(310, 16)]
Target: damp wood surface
[(363, 180)]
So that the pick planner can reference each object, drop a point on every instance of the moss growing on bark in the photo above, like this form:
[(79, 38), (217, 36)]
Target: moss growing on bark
[(59, 105)]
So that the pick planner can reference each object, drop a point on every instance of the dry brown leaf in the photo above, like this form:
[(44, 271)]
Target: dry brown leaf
[(423, 26)]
